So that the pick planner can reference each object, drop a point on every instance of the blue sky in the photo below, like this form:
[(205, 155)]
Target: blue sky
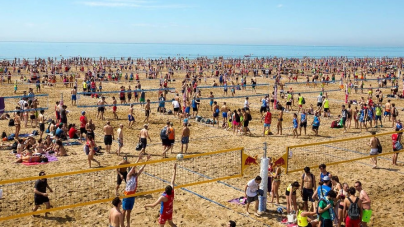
[(281, 22)]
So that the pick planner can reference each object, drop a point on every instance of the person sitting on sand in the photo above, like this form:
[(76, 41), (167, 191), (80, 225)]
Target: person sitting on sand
[(20, 146), (39, 147), (60, 149)]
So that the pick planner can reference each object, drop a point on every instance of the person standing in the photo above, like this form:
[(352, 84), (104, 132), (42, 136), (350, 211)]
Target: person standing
[(185, 138), (365, 202), (165, 140), (120, 139), (131, 118), (143, 135), (114, 108), (92, 149), (326, 210), (115, 215), (41, 119), (122, 173), (352, 209), (41, 196), (108, 136), (224, 111), (251, 193), (374, 149), (308, 187), (316, 123), (171, 136), (303, 122), (344, 115), (130, 190), (74, 95), (167, 202), (101, 108), (267, 122), (90, 128), (147, 111), (215, 114), (83, 123)]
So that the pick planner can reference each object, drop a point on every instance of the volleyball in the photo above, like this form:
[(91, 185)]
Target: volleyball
[(180, 157)]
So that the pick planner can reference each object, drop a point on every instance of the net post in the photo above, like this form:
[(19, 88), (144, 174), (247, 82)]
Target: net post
[(264, 182), (287, 160)]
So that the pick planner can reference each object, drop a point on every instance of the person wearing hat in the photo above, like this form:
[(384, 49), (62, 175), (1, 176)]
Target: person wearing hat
[(143, 135), (83, 122), (323, 189)]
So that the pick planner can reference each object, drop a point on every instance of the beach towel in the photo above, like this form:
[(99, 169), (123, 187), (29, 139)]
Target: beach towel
[(24, 135), (238, 201), (71, 143)]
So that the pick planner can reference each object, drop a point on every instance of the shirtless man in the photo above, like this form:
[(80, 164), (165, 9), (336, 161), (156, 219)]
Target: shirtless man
[(215, 114), (280, 119), (224, 111), (365, 200), (387, 111), (120, 139), (108, 136), (41, 119), (101, 108), (147, 111), (131, 118), (308, 187), (122, 173), (74, 95), (373, 143), (114, 102), (115, 214), (143, 135), (185, 137)]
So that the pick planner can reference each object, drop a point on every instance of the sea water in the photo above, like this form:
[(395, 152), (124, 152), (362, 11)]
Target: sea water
[(30, 50)]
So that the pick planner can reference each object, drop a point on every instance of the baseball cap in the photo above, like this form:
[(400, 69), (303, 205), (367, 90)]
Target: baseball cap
[(326, 178), (83, 112)]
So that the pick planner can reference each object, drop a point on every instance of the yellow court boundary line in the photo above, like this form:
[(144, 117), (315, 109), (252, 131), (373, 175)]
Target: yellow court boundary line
[(351, 160), (116, 167)]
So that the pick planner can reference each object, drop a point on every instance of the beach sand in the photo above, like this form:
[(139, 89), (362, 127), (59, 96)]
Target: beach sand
[(383, 185)]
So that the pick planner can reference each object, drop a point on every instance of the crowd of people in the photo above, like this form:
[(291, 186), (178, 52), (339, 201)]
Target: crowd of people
[(330, 201)]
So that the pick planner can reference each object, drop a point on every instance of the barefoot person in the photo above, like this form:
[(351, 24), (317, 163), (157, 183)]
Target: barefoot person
[(92, 149), (41, 196), (365, 201), (308, 187), (115, 215), (167, 203), (374, 149), (130, 189), (251, 193), (122, 173), (131, 118), (108, 136), (120, 139), (147, 111), (185, 138), (143, 135)]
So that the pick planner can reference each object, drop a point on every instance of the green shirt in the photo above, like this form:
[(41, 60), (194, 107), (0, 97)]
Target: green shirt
[(322, 205), (378, 111), (300, 100)]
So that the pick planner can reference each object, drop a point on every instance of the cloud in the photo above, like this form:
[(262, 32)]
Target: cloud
[(133, 4), (279, 6)]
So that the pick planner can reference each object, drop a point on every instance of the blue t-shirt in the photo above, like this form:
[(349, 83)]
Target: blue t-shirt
[(303, 117), (264, 103), (322, 191), (294, 122), (316, 122), (59, 132), (194, 103)]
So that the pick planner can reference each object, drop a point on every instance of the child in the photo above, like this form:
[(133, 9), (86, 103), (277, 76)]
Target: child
[(295, 125)]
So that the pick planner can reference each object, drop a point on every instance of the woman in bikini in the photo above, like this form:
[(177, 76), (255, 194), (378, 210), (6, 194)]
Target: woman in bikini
[(275, 184), (337, 187), (341, 197), (92, 149), (60, 149), (40, 147)]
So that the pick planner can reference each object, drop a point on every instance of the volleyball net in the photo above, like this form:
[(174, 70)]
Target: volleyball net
[(86, 187), (336, 152), (10, 102)]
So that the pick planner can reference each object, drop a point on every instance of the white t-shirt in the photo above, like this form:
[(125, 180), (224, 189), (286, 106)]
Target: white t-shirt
[(320, 98), (252, 188), (176, 104), (246, 104)]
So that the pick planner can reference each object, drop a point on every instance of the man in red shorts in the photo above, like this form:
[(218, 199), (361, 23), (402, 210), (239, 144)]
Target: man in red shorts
[(167, 202)]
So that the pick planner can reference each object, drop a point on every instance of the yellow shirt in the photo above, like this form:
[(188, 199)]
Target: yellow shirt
[(326, 105), (301, 221)]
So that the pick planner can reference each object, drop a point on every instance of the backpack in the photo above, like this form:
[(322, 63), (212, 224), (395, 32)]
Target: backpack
[(14, 145), (303, 101), (334, 124), (353, 210), (163, 133), (249, 117), (3, 135), (395, 113), (11, 123), (47, 130), (35, 132)]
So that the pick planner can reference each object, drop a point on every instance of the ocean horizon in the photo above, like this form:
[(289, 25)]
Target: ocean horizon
[(31, 50)]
